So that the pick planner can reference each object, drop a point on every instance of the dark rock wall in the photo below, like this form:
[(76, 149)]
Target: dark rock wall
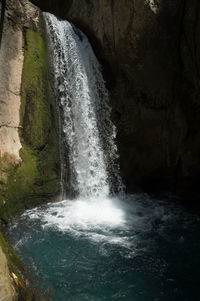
[(190, 97), (151, 64)]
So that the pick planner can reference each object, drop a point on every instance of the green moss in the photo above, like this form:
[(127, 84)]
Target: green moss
[(24, 291), (36, 93), (13, 260), (36, 178)]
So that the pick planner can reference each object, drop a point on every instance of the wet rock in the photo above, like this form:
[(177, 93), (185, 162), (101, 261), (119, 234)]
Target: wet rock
[(151, 65), (7, 290), (29, 156)]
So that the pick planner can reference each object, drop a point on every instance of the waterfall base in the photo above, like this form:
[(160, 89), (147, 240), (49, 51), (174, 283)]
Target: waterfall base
[(139, 249)]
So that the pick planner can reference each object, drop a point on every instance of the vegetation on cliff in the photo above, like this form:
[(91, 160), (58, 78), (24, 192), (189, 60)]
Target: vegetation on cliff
[(36, 178)]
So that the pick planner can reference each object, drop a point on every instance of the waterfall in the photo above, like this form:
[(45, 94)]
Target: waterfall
[(87, 132)]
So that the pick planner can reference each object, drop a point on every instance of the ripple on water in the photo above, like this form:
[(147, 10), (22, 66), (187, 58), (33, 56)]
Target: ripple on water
[(130, 253)]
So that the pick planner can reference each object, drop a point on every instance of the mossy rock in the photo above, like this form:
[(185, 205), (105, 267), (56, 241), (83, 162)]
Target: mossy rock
[(36, 178), (36, 99), (13, 260), (24, 292)]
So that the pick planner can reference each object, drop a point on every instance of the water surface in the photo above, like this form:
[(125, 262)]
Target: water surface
[(135, 249)]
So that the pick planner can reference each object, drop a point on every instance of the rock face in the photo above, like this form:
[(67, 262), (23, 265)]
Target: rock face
[(29, 155), (7, 291), (17, 15), (151, 64), (10, 81), (12, 286)]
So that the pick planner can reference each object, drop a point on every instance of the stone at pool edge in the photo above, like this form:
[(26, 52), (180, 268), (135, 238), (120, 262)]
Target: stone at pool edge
[(7, 290)]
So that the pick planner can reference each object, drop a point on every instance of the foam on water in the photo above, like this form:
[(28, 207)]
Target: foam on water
[(140, 245), (83, 214), (95, 218), (110, 220)]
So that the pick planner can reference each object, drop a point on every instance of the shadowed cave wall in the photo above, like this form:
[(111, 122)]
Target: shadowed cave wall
[(151, 65)]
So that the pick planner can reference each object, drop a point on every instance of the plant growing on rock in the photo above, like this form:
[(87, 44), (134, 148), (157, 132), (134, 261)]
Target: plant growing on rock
[(154, 2)]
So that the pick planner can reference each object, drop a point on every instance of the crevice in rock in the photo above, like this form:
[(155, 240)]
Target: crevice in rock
[(16, 94), (10, 126), (3, 8)]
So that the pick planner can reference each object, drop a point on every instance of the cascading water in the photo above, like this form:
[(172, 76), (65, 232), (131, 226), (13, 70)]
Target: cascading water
[(88, 133), (98, 246)]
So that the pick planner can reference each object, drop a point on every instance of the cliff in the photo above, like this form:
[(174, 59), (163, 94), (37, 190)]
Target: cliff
[(29, 154), (150, 62), (5, 283)]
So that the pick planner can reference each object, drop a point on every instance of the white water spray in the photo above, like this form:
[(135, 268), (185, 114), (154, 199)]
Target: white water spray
[(88, 132), (88, 140)]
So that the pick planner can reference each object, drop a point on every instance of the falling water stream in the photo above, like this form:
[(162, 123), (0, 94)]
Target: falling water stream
[(99, 243), (88, 134)]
